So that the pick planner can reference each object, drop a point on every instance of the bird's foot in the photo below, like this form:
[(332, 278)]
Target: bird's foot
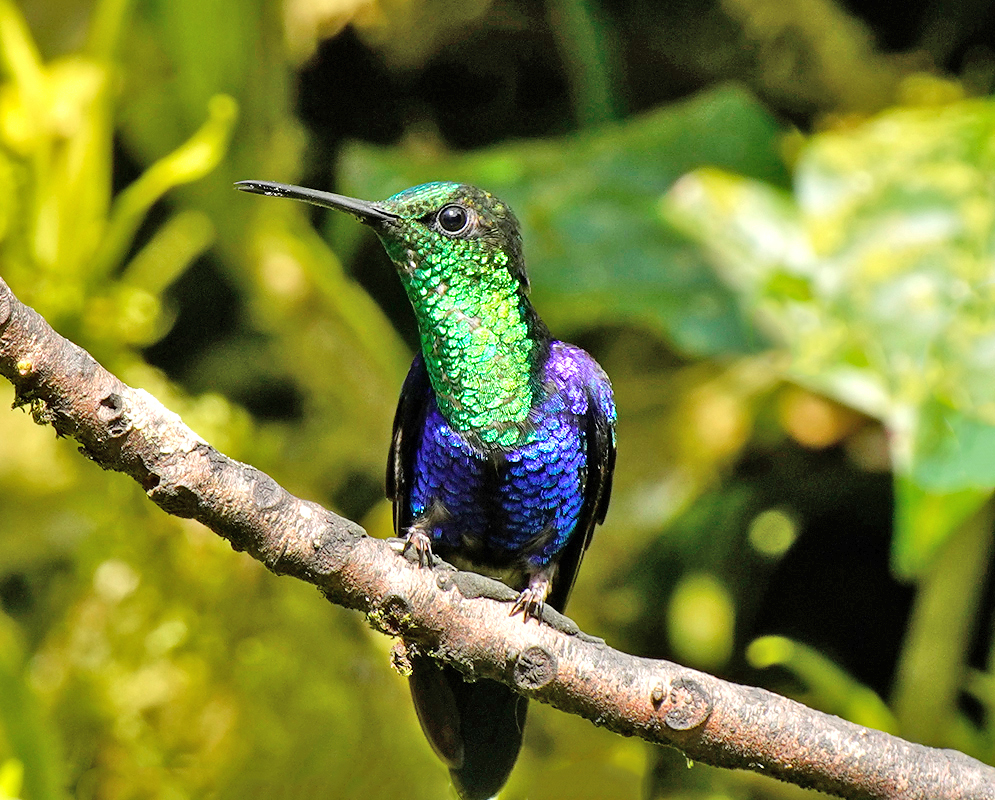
[(532, 600), (419, 542)]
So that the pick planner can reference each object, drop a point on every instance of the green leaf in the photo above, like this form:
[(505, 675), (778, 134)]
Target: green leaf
[(597, 251), (929, 675), (925, 520), (953, 450), (875, 276), (191, 161), (19, 58)]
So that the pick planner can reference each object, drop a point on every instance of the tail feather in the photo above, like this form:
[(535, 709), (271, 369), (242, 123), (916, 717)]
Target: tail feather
[(475, 728)]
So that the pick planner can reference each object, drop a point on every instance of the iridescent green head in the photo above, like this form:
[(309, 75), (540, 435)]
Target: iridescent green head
[(458, 251), (444, 223), (453, 225)]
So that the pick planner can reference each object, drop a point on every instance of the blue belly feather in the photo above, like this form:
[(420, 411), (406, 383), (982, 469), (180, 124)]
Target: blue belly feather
[(511, 508)]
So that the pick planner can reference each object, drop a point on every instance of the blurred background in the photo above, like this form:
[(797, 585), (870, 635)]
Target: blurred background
[(772, 221)]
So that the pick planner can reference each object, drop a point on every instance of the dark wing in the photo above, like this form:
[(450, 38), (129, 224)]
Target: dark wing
[(599, 435), (409, 420)]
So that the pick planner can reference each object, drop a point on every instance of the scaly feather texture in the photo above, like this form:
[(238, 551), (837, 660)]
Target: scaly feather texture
[(482, 342), (503, 447)]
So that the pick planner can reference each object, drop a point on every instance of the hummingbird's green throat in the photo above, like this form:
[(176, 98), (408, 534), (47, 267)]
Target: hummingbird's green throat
[(458, 252)]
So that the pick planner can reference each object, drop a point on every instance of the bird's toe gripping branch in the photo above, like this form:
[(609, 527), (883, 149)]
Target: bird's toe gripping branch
[(532, 600), (420, 544)]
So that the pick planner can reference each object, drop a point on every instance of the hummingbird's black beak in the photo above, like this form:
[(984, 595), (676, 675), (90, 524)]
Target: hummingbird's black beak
[(361, 209)]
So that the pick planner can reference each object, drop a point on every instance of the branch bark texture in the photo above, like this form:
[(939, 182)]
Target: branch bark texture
[(458, 617)]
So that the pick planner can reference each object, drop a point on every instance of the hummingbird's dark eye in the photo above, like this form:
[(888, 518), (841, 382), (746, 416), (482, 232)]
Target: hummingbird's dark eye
[(453, 219)]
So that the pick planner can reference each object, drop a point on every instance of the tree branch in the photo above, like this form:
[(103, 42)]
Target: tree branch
[(452, 615)]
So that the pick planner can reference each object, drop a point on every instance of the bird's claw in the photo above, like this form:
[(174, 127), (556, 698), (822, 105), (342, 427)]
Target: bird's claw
[(532, 600), (418, 541)]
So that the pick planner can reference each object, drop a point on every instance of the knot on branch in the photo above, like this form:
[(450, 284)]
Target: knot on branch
[(266, 492), (393, 615), (110, 411), (444, 580), (534, 668), (686, 706)]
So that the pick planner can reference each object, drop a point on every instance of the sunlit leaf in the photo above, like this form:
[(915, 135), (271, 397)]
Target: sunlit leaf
[(189, 162), (876, 275), (19, 56)]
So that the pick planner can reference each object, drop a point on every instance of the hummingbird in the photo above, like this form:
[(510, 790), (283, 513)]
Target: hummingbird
[(503, 445)]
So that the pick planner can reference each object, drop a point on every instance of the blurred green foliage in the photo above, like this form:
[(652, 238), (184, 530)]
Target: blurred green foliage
[(799, 332), (891, 222), (875, 276)]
